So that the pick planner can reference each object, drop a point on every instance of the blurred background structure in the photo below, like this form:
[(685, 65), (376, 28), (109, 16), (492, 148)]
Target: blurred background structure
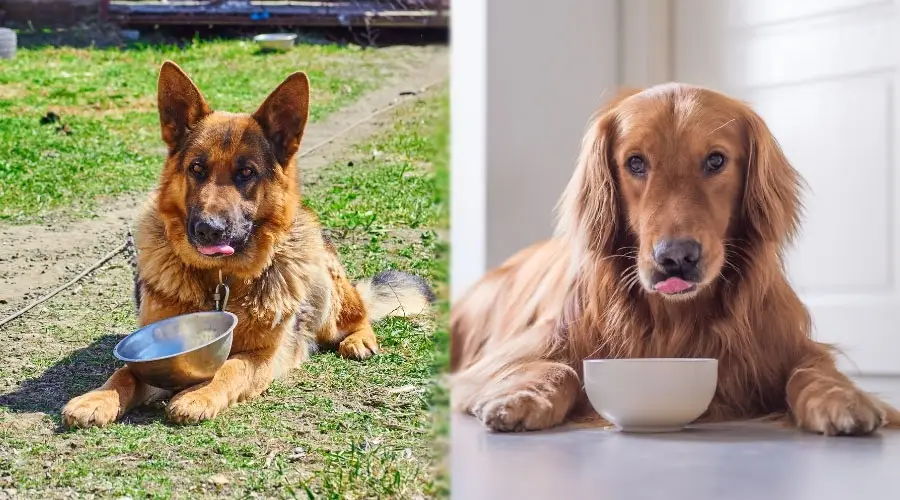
[(323, 13)]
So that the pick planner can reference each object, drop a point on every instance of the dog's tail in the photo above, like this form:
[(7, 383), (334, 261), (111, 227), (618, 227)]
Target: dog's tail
[(395, 293)]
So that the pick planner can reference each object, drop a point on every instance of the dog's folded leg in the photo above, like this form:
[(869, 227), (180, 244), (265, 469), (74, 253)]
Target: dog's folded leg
[(243, 376), (825, 401), (532, 396), (353, 339), (359, 344), (102, 406)]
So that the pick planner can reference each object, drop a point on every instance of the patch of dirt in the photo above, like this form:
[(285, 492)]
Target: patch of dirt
[(12, 91), (58, 335), (38, 258), (142, 104)]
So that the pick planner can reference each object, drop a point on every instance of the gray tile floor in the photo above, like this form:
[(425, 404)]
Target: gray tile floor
[(735, 461)]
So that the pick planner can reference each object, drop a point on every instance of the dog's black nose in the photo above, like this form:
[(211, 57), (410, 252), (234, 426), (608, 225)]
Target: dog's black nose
[(678, 257), (209, 231)]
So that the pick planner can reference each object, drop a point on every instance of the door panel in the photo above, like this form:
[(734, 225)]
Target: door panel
[(824, 76), (760, 12), (845, 245)]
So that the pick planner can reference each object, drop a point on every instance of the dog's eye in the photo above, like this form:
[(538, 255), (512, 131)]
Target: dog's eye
[(637, 165), (714, 162), (197, 168), (245, 174)]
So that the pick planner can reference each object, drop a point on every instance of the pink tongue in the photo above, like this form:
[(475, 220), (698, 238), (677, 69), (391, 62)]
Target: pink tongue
[(216, 250), (672, 285)]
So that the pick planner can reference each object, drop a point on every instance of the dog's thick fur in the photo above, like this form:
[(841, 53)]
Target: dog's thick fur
[(520, 334), (288, 287)]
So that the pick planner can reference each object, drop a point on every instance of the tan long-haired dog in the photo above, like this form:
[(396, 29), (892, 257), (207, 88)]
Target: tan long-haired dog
[(229, 201), (669, 244)]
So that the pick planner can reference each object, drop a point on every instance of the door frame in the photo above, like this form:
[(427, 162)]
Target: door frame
[(486, 158)]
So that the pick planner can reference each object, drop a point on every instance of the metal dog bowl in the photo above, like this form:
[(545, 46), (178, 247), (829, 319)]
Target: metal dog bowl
[(181, 351), (275, 41)]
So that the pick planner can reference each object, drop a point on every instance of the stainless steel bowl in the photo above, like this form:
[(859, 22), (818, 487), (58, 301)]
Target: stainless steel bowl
[(275, 41), (181, 351)]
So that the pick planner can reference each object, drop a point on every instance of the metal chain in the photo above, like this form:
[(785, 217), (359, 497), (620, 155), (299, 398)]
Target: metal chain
[(221, 301)]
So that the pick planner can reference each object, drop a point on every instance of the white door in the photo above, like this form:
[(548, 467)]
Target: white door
[(824, 75)]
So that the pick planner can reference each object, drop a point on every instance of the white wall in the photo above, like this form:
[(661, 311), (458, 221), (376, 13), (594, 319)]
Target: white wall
[(825, 75), (548, 67), (468, 122)]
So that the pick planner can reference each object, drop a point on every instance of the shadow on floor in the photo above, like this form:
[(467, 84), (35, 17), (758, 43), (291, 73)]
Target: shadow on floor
[(82, 370)]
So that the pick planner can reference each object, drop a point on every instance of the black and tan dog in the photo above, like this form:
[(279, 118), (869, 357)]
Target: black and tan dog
[(229, 201)]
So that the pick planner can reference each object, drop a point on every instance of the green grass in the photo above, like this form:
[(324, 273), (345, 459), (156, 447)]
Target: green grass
[(333, 429), (107, 99)]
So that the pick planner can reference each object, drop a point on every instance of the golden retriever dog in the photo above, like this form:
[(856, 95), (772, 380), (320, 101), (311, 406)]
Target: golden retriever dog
[(669, 243), (228, 204)]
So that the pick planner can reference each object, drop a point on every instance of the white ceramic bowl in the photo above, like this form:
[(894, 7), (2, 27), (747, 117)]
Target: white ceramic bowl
[(275, 41), (652, 394)]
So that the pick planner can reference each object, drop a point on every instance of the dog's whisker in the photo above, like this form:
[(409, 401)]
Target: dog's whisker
[(733, 266), (624, 252), (729, 122), (623, 256), (726, 280), (630, 279)]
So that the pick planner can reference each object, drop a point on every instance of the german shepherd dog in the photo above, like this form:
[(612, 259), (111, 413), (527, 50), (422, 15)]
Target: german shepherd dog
[(228, 202)]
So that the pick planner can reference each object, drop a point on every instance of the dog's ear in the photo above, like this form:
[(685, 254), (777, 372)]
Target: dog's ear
[(589, 211), (771, 206), (284, 114), (181, 105)]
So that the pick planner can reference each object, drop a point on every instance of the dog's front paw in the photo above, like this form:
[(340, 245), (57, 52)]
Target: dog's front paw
[(96, 408), (840, 411), (195, 405), (359, 345), (523, 410)]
